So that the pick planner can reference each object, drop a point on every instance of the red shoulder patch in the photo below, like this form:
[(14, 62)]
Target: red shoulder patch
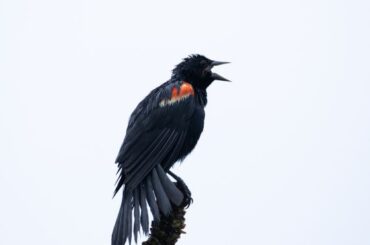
[(186, 89), (178, 94)]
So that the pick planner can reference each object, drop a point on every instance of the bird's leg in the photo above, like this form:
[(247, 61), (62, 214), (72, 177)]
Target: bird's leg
[(183, 188)]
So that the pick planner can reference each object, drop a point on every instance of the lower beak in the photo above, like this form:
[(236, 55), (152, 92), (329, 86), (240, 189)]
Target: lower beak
[(215, 76)]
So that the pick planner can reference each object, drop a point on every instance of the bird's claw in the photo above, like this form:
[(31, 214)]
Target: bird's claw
[(187, 201), (185, 190), (187, 194)]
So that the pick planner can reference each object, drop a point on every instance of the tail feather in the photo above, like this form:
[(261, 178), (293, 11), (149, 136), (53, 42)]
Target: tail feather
[(151, 198), (173, 193), (144, 211), (162, 199), (116, 239), (157, 191), (121, 230), (136, 213), (129, 225)]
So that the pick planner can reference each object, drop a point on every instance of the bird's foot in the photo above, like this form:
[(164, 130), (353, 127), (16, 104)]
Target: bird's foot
[(184, 189), (187, 194)]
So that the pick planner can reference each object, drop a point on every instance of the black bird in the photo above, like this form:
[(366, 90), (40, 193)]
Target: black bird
[(163, 129)]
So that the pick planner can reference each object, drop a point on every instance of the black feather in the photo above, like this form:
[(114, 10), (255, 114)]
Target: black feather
[(173, 193), (151, 198), (144, 210), (152, 159), (136, 213), (162, 199)]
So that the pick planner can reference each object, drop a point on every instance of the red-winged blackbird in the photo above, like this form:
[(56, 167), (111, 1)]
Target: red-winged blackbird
[(163, 129)]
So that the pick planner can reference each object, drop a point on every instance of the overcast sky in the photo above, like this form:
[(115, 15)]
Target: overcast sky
[(284, 158)]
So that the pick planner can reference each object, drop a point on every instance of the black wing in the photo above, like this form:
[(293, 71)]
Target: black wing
[(156, 130)]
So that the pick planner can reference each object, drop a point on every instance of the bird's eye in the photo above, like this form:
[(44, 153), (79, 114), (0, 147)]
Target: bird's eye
[(203, 63)]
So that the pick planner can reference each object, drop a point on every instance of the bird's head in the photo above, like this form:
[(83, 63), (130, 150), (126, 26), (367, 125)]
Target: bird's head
[(197, 70)]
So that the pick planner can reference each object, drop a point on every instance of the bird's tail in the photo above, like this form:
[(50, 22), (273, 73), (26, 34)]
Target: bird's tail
[(158, 191)]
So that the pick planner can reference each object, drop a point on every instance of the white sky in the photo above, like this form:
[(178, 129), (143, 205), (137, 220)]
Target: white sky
[(284, 158)]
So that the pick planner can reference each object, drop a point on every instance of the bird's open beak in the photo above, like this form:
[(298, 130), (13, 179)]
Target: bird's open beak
[(215, 76)]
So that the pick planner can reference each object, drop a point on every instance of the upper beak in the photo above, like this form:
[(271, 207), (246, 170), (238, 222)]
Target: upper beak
[(215, 76), (217, 63)]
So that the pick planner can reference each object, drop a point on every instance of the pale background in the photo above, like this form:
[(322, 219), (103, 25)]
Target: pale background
[(284, 158)]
